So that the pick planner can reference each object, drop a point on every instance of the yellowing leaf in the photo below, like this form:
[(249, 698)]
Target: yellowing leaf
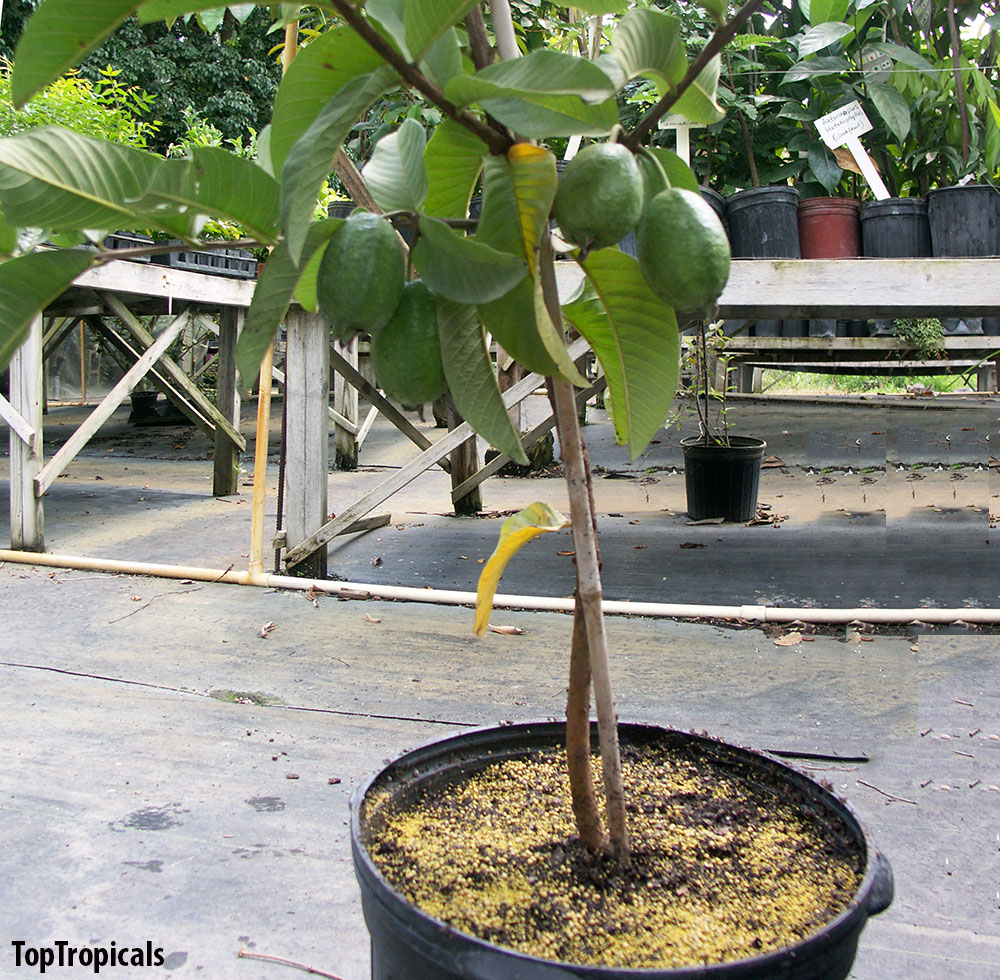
[(515, 532), (533, 175)]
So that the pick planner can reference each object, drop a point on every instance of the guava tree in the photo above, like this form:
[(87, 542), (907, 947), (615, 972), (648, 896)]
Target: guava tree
[(492, 277)]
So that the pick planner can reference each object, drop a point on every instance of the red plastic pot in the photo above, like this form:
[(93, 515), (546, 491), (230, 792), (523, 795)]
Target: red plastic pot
[(830, 228)]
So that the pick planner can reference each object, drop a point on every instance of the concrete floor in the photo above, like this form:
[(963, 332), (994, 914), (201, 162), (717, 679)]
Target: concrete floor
[(175, 776)]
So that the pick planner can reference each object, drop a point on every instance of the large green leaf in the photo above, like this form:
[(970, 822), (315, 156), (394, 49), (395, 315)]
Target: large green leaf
[(428, 20), (554, 339), (453, 158), (279, 278), (601, 6), (698, 102), (511, 320), (388, 16), (54, 178), (473, 385), (553, 116), (321, 69), (824, 166), (634, 336), (542, 73), (904, 56), (461, 269), (822, 36), (396, 174), (59, 34), (444, 59), (219, 184), (821, 11), (27, 285), (152, 11), (499, 223), (815, 68), (311, 159), (892, 107), (648, 42)]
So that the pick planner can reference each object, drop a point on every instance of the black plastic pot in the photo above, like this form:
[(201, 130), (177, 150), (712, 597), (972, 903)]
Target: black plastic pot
[(717, 203), (896, 228), (764, 223), (722, 481), (964, 221), (407, 944)]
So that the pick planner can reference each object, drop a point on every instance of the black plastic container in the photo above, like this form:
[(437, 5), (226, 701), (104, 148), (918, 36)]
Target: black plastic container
[(764, 223), (408, 944), (236, 263), (964, 221), (717, 203), (896, 228), (722, 481)]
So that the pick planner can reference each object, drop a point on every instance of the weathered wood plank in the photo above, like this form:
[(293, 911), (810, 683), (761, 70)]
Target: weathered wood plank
[(345, 404), (849, 288), (375, 397), (226, 464), (173, 285), (27, 516), (194, 394), (336, 417), (307, 395), (100, 415), (13, 418)]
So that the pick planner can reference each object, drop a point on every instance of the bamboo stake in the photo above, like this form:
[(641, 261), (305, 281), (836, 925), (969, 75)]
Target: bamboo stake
[(264, 394)]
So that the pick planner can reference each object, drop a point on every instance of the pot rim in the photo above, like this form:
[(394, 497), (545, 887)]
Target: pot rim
[(873, 894)]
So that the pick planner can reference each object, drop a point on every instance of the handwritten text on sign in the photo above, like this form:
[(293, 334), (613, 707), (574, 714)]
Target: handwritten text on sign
[(842, 124)]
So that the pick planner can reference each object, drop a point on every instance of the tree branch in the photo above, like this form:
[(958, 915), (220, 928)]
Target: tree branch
[(498, 142), (956, 63), (479, 43), (715, 45)]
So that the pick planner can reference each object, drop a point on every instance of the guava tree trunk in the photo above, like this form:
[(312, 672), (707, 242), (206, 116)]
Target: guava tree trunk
[(590, 646)]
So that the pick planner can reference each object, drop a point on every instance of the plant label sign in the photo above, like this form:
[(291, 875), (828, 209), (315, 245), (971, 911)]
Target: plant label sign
[(842, 127), (682, 131)]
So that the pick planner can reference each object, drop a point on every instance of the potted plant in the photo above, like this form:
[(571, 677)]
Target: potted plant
[(721, 470), (496, 117)]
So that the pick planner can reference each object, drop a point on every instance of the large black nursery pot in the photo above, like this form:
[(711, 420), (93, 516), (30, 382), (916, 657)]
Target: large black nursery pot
[(407, 944), (722, 480)]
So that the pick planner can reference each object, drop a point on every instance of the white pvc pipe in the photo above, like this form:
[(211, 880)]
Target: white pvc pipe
[(445, 597)]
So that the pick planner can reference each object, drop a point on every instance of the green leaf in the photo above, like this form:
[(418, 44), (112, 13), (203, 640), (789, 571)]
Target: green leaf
[(634, 336), (461, 269), (815, 68), (648, 42), (515, 532), (553, 116), (279, 278), (388, 15), (59, 34), (671, 167), (444, 59), (27, 285), (542, 73), (473, 385), (211, 19), (321, 69), (511, 320), (396, 174), (54, 178), (698, 102), (824, 166), (499, 224), (453, 158), (553, 338), (797, 111), (311, 159), (220, 184), (717, 8), (152, 11), (534, 181), (595, 7), (892, 107), (821, 36), (428, 20), (826, 10)]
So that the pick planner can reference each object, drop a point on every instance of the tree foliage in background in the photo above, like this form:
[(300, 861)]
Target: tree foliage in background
[(220, 69)]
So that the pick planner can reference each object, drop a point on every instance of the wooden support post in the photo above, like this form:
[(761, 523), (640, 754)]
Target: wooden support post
[(345, 403), (307, 395), (464, 464), (226, 475), (27, 519)]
